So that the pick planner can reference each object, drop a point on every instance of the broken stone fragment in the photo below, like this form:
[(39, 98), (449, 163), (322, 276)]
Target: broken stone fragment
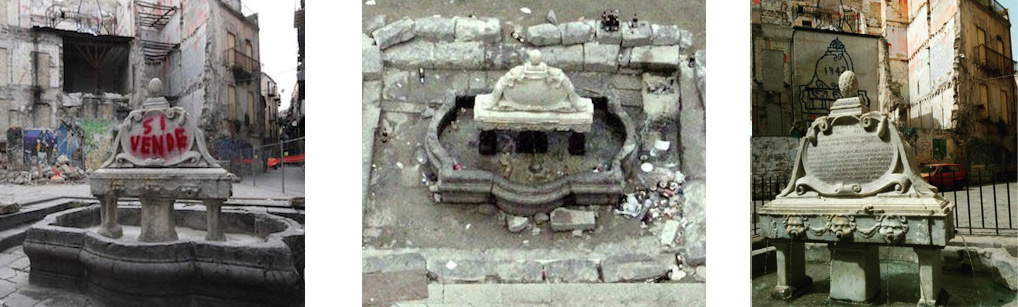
[(669, 231), (517, 223), (655, 57), (634, 268), (7, 207), (370, 24), (607, 37), (540, 218), (394, 33), (563, 219), (544, 35), (371, 62)]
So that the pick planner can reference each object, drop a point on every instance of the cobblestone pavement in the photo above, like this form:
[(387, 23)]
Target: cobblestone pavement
[(15, 291)]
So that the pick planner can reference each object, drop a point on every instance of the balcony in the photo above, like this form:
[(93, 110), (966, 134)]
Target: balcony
[(244, 67), (992, 62)]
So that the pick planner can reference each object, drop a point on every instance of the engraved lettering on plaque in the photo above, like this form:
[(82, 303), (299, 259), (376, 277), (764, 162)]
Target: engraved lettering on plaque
[(849, 155)]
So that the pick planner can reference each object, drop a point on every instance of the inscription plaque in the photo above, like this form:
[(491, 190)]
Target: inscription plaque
[(848, 155)]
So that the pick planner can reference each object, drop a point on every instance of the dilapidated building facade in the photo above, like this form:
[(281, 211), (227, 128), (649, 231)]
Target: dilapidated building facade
[(940, 67), (70, 69)]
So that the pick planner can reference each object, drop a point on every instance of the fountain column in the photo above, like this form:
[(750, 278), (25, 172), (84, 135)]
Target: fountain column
[(792, 278), (213, 207), (931, 276), (157, 221), (855, 272), (108, 213)]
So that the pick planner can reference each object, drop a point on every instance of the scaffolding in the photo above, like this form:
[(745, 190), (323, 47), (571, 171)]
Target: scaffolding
[(154, 15)]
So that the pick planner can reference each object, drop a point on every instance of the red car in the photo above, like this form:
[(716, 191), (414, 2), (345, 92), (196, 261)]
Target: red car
[(945, 175), (294, 159)]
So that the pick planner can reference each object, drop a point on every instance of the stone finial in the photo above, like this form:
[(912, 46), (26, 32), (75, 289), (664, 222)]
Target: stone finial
[(535, 57), (848, 84), (155, 86)]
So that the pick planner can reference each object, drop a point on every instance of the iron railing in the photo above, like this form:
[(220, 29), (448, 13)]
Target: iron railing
[(993, 62), (984, 201), (242, 64), (277, 166)]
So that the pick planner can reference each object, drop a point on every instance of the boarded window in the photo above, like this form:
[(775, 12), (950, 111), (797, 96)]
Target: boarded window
[(984, 98), (249, 49), (231, 43), (5, 70), (232, 103), (41, 67), (981, 41)]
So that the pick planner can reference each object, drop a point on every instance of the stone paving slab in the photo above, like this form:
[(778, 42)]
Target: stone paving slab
[(564, 295)]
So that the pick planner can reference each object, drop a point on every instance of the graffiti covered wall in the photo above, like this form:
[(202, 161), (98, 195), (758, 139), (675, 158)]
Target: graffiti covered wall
[(819, 58)]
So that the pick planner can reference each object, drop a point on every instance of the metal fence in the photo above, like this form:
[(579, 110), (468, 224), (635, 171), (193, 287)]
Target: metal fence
[(986, 203), (271, 166)]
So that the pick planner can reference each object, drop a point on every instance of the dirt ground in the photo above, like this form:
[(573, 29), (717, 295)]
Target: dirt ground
[(688, 14)]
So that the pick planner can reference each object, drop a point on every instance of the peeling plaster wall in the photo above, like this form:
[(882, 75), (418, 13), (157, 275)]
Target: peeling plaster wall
[(772, 156)]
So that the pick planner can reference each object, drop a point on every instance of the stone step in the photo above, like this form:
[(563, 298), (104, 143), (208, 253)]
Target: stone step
[(14, 236), (640, 294), (33, 211)]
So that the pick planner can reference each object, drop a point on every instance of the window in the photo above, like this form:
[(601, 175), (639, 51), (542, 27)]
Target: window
[(980, 41), (248, 48), (231, 103), (984, 96), (4, 67), (231, 43), (41, 69)]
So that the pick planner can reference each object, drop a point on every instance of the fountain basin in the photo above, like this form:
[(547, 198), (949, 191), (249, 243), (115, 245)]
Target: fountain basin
[(471, 184), (257, 268)]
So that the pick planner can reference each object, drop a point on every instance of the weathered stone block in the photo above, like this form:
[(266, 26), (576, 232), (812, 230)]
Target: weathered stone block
[(459, 55), (600, 57), (544, 34), (589, 84), (686, 40), (572, 271), (564, 57), (627, 82), (484, 29), (371, 62), (665, 35), (563, 219), (633, 268), (450, 271), (577, 32), (606, 37), (519, 271), (640, 35), (655, 57), (629, 98), (503, 56), (406, 262), (394, 33), (412, 55), (435, 28), (660, 96)]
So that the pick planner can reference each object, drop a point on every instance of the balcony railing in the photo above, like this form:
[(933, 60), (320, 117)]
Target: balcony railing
[(244, 67), (993, 62)]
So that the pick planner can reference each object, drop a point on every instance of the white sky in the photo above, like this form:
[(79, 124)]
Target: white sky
[(278, 42)]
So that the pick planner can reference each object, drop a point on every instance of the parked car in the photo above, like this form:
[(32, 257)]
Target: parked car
[(945, 175), (273, 162)]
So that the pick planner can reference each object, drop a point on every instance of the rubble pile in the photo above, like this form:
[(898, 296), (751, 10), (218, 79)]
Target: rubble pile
[(657, 203), (61, 171)]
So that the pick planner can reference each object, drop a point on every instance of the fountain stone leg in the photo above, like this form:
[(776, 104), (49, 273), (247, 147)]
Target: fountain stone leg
[(108, 213), (855, 272), (930, 276), (792, 278), (157, 221), (213, 207)]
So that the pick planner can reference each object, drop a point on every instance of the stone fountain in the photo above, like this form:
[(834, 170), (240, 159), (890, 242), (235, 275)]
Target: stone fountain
[(174, 256), (855, 187), (529, 103)]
